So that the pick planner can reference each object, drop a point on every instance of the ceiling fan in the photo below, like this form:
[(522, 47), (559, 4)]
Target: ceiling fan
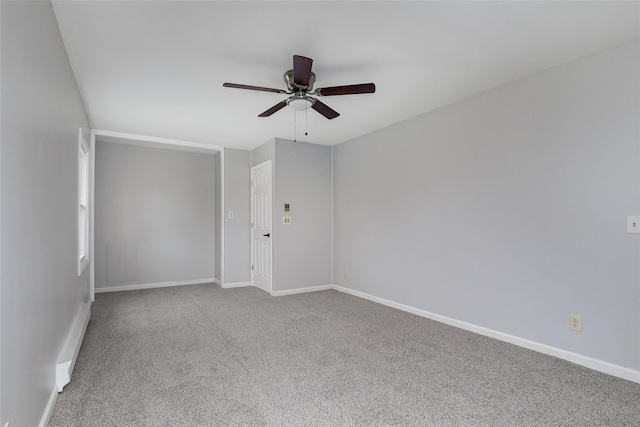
[(300, 82)]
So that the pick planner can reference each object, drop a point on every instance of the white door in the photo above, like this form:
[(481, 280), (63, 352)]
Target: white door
[(261, 265)]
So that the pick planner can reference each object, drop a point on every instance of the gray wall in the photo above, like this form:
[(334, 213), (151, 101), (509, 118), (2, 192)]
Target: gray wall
[(302, 249), (217, 159), (507, 210), (302, 178), (237, 231), (159, 206), (41, 291), (261, 154)]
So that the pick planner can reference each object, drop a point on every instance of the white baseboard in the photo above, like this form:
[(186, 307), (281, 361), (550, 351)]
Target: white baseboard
[(235, 285), (588, 362), (301, 290), (69, 354), (48, 410), (153, 285), (217, 282)]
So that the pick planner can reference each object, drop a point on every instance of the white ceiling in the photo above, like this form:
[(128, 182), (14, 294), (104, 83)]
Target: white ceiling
[(157, 68)]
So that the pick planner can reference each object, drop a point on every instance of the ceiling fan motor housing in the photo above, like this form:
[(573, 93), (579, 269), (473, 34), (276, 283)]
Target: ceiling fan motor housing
[(288, 79)]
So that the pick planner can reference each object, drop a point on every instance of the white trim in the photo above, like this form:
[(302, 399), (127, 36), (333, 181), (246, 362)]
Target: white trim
[(63, 376), (83, 263), (333, 277), (84, 203), (223, 220), (259, 165), (588, 362), (151, 141), (48, 410), (69, 354), (92, 216), (153, 285), (302, 290), (235, 285), (269, 163), (217, 282)]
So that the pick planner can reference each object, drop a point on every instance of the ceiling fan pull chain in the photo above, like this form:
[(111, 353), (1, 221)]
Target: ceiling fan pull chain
[(306, 122), (295, 115)]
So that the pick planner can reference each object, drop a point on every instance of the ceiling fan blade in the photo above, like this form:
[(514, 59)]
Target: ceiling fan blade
[(302, 70), (347, 90), (273, 109), (263, 89), (325, 110)]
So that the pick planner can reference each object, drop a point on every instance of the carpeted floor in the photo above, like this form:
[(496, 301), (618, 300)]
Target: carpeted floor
[(204, 356)]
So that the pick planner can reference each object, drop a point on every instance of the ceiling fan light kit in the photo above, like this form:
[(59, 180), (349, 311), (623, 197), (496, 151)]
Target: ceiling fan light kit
[(300, 103), (299, 83)]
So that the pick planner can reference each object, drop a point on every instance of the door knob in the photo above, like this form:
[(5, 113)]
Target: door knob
[(267, 235)]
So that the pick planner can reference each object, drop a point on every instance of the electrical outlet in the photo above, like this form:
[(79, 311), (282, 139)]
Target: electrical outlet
[(230, 214), (575, 322), (286, 220)]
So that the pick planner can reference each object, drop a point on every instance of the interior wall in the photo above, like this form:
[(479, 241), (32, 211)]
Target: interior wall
[(302, 178), (154, 216), (217, 160), (237, 231), (264, 152), (303, 247), (507, 210), (41, 290)]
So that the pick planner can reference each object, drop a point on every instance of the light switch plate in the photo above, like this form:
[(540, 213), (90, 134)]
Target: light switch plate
[(633, 224)]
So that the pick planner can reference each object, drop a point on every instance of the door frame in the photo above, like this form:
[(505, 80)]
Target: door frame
[(272, 190)]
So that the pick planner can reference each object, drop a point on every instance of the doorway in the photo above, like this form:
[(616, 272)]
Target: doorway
[(261, 226), (100, 257)]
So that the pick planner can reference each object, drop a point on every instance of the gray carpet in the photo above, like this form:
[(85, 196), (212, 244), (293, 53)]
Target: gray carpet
[(204, 356)]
